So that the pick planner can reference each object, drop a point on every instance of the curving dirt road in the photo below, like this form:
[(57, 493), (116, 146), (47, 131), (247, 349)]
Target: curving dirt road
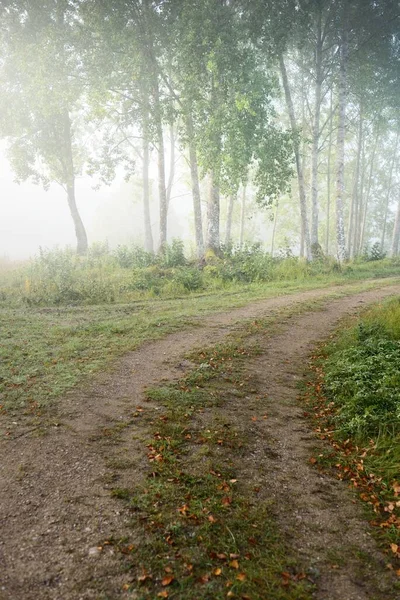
[(55, 501)]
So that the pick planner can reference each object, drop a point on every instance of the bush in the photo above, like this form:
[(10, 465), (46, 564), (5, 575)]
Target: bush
[(130, 257), (190, 278), (172, 255), (375, 253)]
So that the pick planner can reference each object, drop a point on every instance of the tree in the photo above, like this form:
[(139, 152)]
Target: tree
[(42, 101), (224, 91)]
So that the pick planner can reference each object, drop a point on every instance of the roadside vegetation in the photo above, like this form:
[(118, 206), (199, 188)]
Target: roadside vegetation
[(64, 317), (129, 273), (355, 402)]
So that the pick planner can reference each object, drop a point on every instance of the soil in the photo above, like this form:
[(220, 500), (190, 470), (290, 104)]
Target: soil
[(56, 508)]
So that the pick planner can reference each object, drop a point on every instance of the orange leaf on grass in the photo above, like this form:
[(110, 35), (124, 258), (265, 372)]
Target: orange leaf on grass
[(241, 576), (217, 571), (234, 564), (167, 580), (163, 594)]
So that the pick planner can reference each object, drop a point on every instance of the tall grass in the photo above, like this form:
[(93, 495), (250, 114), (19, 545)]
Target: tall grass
[(128, 273)]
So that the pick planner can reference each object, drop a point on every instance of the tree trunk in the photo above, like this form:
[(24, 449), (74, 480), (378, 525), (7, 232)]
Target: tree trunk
[(213, 242), (242, 215), (82, 244), (171, 164), (367, 196), (316, 135), (300, 174), (389, 189), (148, 234), (228, 232), (274, 229), (342, 94), (194, 173), (396, 233), (360, 214), (328, 180), (69, 176), (162, 191), (354, 208)]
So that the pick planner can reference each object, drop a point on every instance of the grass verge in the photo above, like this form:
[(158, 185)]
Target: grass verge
[(46, 351), (353, 399)]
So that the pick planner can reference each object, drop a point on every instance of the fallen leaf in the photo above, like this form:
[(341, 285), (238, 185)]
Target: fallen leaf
[(163, 594), (168, 570), (212, 519), (241, 576), (234, 564), (226, 501), (221, 556), (254, 418), (395, 548), (313, 460), (217, 571), (167, 580)]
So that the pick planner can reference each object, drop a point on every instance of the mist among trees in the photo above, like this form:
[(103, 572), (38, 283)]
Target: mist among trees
[(291, 107)]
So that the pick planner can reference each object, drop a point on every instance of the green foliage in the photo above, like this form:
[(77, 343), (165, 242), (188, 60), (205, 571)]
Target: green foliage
[(129, 257), (363, 377), (373, 253), (128, 273), (173, 255)]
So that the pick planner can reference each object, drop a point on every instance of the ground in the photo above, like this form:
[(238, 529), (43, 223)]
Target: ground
[(63, 518)]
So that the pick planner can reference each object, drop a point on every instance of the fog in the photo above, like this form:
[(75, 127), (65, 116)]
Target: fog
[(31, 217)]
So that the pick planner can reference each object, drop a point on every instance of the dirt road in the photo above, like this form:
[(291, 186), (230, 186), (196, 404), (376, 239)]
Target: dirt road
[(55, 501)]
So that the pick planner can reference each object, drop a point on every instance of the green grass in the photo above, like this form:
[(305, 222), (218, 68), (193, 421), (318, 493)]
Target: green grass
[(47, 351), (362, 375), (354, 400)]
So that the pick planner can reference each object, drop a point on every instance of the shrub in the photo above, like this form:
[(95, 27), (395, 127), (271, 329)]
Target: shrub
[(172, 255), (129, 257), (363, 378), (190, 278)]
